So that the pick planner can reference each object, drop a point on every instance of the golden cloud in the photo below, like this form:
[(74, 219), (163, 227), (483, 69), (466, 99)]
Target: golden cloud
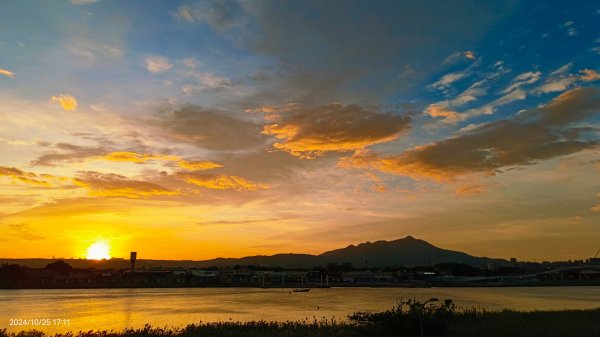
[(7, 73), (114, 185), (449, 116), (28, 178), (138, 157), (66, 101), (524, 139), (469, 54), (308, 133), (198, 165), (220, 181)]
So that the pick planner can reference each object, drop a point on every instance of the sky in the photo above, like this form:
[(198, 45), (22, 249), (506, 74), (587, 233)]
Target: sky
[(204, 129)]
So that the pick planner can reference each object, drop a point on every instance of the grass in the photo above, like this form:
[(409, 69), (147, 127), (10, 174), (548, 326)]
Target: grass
[(437, 320)]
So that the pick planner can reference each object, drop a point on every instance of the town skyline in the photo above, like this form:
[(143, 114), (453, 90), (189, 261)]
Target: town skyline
[(199, 129)]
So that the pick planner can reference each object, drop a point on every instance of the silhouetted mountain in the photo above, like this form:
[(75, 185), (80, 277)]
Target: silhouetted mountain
[(402, 252)]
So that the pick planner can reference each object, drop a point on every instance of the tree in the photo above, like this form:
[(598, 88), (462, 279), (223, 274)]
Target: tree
[(59, 266)]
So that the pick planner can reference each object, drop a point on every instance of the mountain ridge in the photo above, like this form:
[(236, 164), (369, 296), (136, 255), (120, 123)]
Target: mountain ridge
[(407, 251)]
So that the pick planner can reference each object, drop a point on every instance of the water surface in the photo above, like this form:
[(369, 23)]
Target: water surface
[(116, 309)]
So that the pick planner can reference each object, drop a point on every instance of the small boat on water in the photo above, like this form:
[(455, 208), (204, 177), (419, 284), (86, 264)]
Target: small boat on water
[(304, 290)]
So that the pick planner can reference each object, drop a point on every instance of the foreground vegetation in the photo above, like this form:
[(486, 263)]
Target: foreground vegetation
[(411, 318)]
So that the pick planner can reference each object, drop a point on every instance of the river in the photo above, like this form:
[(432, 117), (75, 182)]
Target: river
[(116, 309)]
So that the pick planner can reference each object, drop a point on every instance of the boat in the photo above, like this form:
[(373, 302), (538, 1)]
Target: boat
[(304, 290)]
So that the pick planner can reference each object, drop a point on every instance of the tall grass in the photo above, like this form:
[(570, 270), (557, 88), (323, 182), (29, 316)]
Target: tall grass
[(410, 318)]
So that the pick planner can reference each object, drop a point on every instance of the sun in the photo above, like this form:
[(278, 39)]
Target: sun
[(98, 251)]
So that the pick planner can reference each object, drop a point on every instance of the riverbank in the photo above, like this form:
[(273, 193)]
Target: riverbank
[(408, 319)]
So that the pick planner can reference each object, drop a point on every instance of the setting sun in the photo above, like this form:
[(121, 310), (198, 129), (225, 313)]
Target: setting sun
[(98, 251)]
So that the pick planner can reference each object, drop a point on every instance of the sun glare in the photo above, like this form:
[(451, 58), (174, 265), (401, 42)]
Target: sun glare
[(98, 251)]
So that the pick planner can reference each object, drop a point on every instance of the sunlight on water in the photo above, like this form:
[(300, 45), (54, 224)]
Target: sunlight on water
[(115, 309)]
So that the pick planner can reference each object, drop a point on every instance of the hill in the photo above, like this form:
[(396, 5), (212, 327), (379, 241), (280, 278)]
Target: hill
[(402, 252)]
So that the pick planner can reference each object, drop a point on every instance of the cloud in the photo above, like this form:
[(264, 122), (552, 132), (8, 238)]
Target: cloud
[(191, 62), (220, 181), (90, 49), (83, 2), (333, 56), (138, 157), (133, 157), (66, 101), (556, 85), (28, 178), (446, 80), (469, 54), (595, 209), (208, 128), (202, 165), (7, 73), (470, 190), (311, 132), (220, 15), (70, 153), (158, 64), (447, 109), (490, 108), (559, 80), (589, 75), (114, 185), (206, 81), (438, 110), (569, 28), (524, 139), (523, 79)]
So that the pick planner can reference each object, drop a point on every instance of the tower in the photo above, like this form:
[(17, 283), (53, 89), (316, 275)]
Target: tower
[(132, 258)]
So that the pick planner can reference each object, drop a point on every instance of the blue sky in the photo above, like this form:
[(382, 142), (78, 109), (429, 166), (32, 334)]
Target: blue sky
[(300, 125)]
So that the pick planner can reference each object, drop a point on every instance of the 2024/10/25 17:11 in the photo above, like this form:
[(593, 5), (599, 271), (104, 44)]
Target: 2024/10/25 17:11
[(39, 321)]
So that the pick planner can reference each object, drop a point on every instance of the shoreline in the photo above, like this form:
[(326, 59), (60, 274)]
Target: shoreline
[(409, 319), (332, 285)]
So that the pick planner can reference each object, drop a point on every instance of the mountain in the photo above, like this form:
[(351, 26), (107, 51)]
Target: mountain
[(402, 252)]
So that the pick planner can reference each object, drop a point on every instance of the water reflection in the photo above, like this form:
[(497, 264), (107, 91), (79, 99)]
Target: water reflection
[(115, 309)]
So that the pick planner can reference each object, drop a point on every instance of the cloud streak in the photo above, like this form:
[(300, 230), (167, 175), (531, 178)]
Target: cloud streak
[(158, 64), (114, 185), (220, 181), (28, 178), (7, 73), (524, 139)]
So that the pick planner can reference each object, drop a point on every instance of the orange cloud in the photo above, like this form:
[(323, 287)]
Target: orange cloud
[(589, 75), (308, 133), (198, 165), (28, 178), (534, 135), (66, 101), (436, 110), (470, 190), (138, 157), (7, 73), (220, 181), (114, 185)]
